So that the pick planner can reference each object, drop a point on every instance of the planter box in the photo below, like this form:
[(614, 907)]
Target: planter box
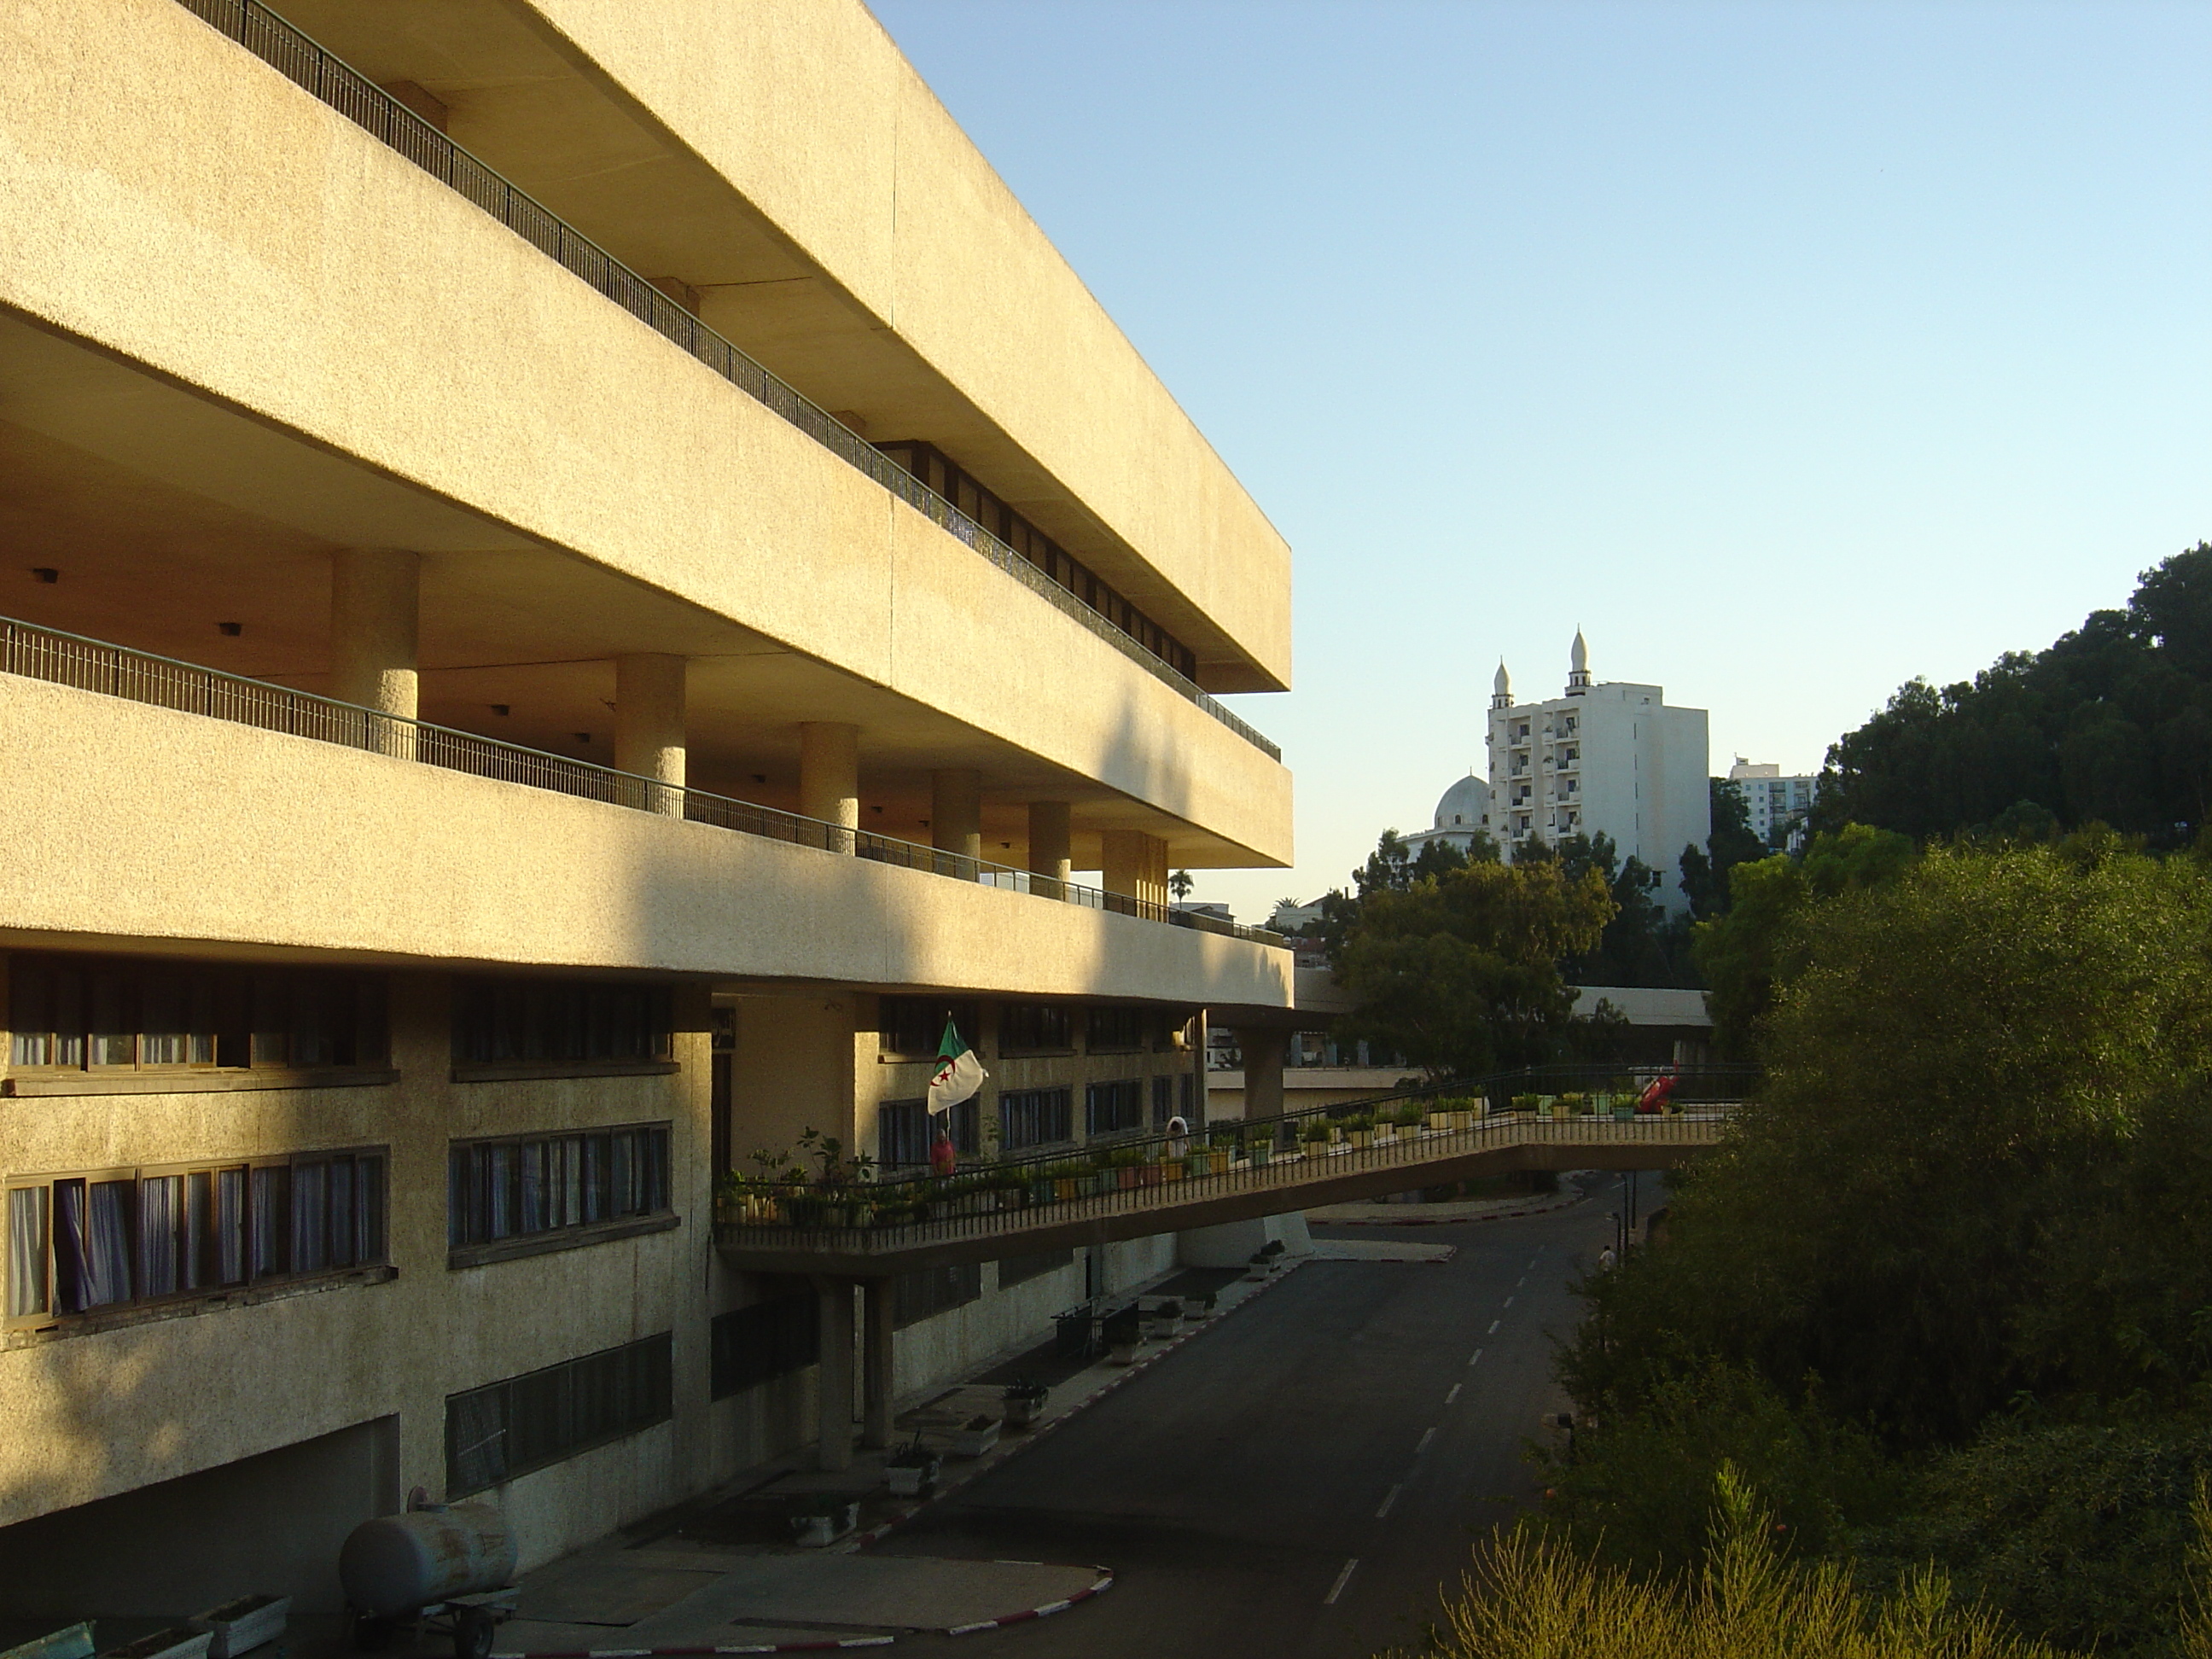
[(815, 1532), (910, 1479), (974, 1442), (1624, 1115), (241, 1625), (1262, 1156), (175, 1643), (1124, 1353), (71, 1641), (1022, 1409), (1125, 1177), (1361, 1138)]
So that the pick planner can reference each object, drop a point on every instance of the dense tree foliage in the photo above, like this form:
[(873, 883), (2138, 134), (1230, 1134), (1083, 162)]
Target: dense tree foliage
[(1460, 972), (1706, 869), (1945, 1288), (2113, 723)]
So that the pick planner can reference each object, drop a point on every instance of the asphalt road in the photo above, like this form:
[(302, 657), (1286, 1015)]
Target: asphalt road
[(1301, 1479)]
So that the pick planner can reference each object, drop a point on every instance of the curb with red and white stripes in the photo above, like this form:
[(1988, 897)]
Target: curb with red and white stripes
[(1105, 1581)]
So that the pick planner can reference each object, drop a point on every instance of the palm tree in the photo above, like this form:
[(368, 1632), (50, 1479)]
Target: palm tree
[(1180, 884)]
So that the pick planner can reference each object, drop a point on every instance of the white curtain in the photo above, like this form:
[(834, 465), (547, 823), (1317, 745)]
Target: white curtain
[(107, 1243), (27, 1251), (161, 1199)]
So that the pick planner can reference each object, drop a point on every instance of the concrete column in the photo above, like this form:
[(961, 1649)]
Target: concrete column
[(830, 777), (879, 1371), (1263, 1046), (1051, 847), (1136, 865), (836, 1450), (956, 812), (649, 724), (376, 607)]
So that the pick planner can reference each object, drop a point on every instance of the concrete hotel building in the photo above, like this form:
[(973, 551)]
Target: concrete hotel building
[(580, 576)]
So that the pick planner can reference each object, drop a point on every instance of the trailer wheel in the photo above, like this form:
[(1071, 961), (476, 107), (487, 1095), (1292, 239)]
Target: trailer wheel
[(371, 1634), (472, 1633)]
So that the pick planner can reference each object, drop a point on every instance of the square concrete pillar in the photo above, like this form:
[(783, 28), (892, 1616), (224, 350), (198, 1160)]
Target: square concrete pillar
[(1051, 847), (376, 606), (878, 1367), (1263, 1046), (830, 778), (956, 812), (836, 1449), (1136, 864), (649, 694)]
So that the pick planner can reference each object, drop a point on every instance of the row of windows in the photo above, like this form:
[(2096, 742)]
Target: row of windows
[(79, 1243), (110, 1015), (761, 1343), (904, 1131), (912, 1027), (933, 469), (508, 1428), (500, 1189), (102, 1015)]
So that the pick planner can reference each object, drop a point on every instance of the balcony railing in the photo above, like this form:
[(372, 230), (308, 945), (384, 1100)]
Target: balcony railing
[(360, 100), (1592, 1106), (114, 671)]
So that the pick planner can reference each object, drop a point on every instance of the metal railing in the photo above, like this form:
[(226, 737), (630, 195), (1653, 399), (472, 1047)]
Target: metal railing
[(114, 671), (1153, 1170), (296, 56)]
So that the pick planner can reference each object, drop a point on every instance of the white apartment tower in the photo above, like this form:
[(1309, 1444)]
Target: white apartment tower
[(1776, 805), (1611, 758)]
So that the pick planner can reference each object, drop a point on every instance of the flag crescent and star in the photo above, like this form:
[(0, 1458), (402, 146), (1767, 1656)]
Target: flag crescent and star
[(959, 1075)]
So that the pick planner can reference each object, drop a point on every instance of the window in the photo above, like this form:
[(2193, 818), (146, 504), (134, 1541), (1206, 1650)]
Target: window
[(1020, 1269), (499, 1189), (1187, 1085), (553, 1022), (80, 1244), (1114, 1030), (1163, 1101), (101, 1014), (1034, 1027), (912, 1027), (761, 1343), (1111, 1107), (1034, 1117), (932, 1291), (904, 1131), (508, 1429)]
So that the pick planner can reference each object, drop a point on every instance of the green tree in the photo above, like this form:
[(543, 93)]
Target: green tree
[(1180, 884), (1963, 1058), (1459, 972), (1706, 869)]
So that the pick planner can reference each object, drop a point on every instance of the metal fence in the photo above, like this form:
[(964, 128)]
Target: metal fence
[(1136, 1172), (360, 100), (114, 671)]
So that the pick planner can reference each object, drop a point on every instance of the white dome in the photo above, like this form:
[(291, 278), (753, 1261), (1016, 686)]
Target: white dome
[(1463, 804), (1503, 682), (1578, 658)]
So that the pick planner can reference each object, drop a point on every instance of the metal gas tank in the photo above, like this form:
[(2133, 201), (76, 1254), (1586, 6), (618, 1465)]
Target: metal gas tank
[(398, 1563)]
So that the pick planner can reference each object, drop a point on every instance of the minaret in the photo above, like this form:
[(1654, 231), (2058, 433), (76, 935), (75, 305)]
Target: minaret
[(1578, 679), (1501, 689)]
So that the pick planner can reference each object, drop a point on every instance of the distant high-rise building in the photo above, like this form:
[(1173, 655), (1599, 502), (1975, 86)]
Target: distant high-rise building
[(1601, 758), (1777, 805)]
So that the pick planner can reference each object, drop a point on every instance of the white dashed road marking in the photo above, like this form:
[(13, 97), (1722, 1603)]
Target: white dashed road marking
[(1388, 1501), (1342, 1579)]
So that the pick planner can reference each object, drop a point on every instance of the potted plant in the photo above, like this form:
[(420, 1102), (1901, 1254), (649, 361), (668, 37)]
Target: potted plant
[(1409, 1118), (1124, 1334), (911, 1470), (1314, 1141), (175, 1643), (1165, 1318), (820, 1519), (1527, 1103), (976, 1435), (1260, 1151), (1464, 1112), (1359, 1130), (1195, 1307), (1023, 1401), (1440, 1113), (1573, 1105)]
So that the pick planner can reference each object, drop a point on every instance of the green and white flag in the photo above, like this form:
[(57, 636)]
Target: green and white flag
[(959, 1072)]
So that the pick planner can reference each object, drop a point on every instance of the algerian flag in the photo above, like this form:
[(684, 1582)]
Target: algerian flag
[(959, 1072)]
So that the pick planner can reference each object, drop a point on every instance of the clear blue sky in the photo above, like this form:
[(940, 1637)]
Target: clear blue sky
[(1790, 350)]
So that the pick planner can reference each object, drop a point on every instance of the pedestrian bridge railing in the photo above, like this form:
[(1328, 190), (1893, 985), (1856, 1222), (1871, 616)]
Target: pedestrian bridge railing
[(1158, 1183)]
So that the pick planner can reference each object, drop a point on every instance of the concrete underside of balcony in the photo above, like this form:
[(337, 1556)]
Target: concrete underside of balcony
[(1240, 1196), (238, 333), (130, 826)]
